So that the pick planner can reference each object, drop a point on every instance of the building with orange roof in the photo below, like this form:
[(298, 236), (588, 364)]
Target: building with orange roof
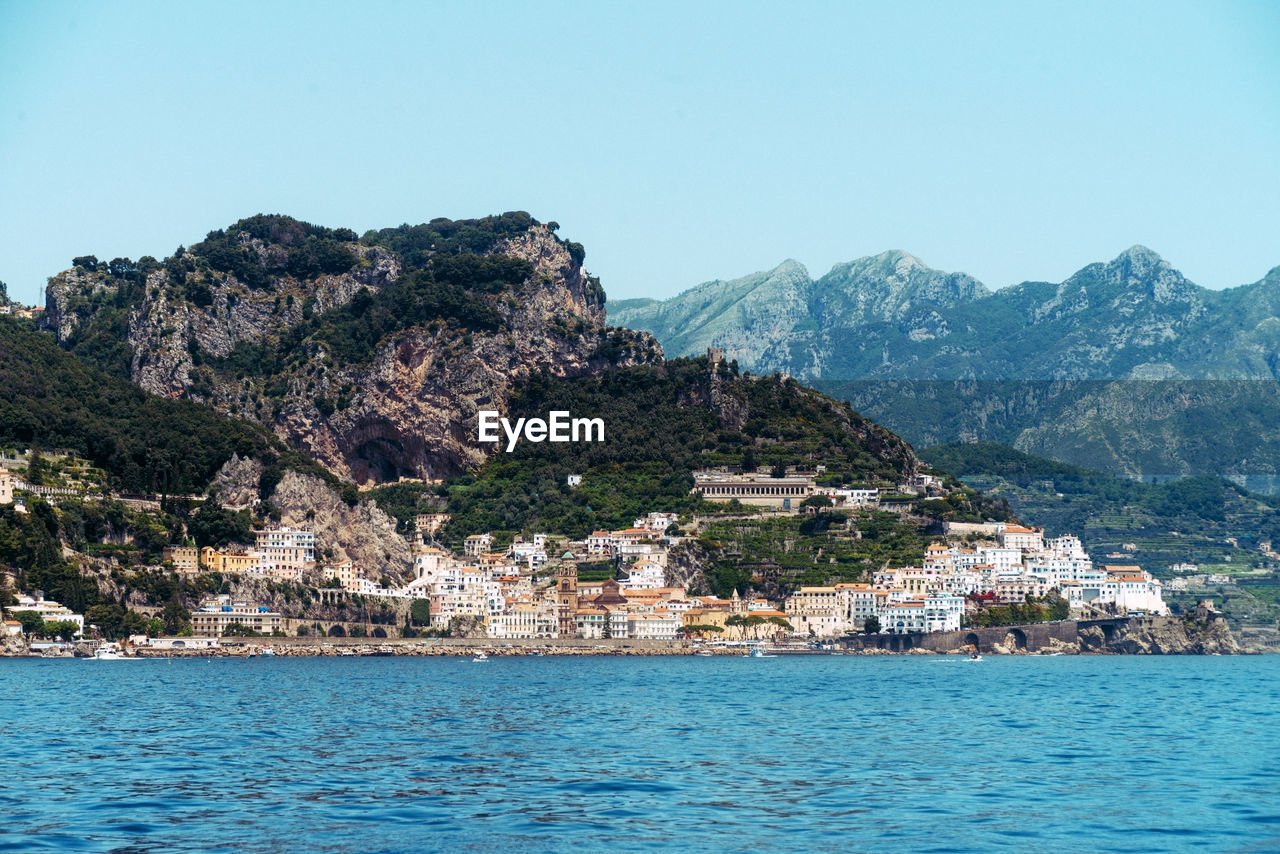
[(1018, 537)]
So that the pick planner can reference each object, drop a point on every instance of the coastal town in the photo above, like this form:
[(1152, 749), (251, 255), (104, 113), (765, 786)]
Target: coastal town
[(619, 584)]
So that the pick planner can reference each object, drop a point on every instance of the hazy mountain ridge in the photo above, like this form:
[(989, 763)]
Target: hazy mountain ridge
[(890, 316), (1126, 367)]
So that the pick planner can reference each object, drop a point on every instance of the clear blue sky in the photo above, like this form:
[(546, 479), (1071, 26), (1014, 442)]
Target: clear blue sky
[(679, 142)]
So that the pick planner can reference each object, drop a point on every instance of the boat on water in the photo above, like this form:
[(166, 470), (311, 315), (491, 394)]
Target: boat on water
[(268, 650), (480, 656), (108, 652), (758, 652), (974, 657)]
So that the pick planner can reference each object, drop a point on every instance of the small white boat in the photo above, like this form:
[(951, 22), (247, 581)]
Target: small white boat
[(268, 650), (974, 657), (480, 656), (107, 652), (758, 652)]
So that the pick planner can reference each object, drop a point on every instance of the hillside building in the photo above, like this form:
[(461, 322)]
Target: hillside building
[(758, 490)]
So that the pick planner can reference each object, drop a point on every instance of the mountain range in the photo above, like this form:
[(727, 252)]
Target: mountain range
[(1125, 366), (891, 316)]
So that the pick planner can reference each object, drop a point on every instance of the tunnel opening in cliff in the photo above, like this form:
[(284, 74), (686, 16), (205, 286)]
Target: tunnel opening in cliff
[(380, 453)]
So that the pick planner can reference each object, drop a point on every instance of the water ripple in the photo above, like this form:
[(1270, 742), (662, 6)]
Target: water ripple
[(547, 754)]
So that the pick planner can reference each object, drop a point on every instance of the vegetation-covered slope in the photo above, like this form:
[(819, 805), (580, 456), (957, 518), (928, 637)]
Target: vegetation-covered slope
[(144, 443), (1224, 427), (662, 423)]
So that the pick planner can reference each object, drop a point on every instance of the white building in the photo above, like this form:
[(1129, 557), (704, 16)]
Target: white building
[(900, 618), (477, 544), (533, 555), (1018, 537), (942, 612), (283, 551), (644, 575), (49, 611), (6, 486), (215, 616), (656, 625), (600, 543), (525, 620), (657, 523), (1132, 589), (1002, 559)]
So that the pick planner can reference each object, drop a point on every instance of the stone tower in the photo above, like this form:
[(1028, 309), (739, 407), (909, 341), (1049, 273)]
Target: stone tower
[(567, 595)]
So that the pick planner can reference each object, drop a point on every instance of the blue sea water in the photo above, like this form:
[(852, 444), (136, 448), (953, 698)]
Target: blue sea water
[(521, 754)]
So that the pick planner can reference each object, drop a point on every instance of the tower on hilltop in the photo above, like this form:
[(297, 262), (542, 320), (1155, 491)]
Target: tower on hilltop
[(567, 595)]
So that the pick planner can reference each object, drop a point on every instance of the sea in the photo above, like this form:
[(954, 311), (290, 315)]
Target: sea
[(600, 754)]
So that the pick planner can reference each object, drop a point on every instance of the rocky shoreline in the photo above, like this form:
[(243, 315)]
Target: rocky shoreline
[(472, 650), (1139, 636)]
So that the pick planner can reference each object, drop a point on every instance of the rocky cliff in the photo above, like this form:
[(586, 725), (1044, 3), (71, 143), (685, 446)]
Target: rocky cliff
[(1162, 636), (372, 355), (362, 532)]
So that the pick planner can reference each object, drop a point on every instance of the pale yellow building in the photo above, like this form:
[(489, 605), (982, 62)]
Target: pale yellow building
[(183, 558), (233, 562)]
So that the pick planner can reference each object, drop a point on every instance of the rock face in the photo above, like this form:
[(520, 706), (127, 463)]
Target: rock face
[(687, 563), (166, 331), (408, 410), (1163, 636), (363, 533)]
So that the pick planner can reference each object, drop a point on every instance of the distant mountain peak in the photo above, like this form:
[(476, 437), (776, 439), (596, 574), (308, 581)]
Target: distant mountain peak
[(1140, 270), (902, 262), (1139, 259), (789, 266)]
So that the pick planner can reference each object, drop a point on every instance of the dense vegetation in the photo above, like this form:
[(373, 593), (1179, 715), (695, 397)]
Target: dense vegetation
[(447, 278), (145, 443), (304, 251), (101, 335), (659, 427), (1090, 494), (457, 291), (1122, 426)]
